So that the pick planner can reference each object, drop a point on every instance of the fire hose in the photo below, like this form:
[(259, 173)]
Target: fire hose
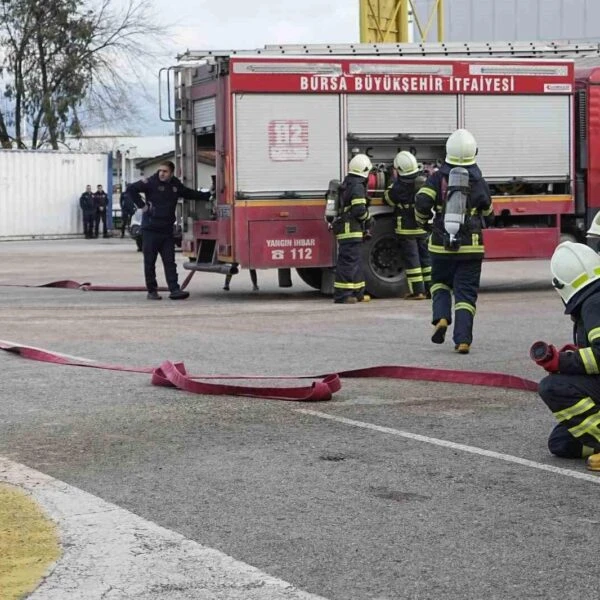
[(174, 374)]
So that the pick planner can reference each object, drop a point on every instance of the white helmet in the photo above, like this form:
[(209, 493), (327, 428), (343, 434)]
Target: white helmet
[(360, 165), (461, 148), (594, 230), (574, 266), (406, 164)]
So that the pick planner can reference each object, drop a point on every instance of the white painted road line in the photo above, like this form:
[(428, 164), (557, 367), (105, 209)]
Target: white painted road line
[(113, 554), (454, 446)]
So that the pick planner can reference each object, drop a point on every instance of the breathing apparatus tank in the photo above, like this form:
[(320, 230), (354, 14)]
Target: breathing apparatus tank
[(332, 205), (456, 206)]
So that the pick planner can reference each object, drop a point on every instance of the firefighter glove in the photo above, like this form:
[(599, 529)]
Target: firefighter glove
[(545, 355)]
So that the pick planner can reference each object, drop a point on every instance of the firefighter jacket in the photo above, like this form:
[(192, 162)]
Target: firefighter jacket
[(87, 203), (161, 199), (353, 214), (585, 360), (432, 196), (401, 195)]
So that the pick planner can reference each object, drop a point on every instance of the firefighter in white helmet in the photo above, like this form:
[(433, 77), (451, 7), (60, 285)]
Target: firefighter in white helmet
[(412, 238), (572, 388), (459, 198), (349, 227), (594, 231)]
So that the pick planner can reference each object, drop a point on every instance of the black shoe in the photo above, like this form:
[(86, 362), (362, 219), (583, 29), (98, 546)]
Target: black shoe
[(154, 296), (346, 300), (179, 295)]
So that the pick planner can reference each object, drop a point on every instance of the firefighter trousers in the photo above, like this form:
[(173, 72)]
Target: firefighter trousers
[(417, 263), (153, 244), (575, 403), (458, 277), (349, 278)]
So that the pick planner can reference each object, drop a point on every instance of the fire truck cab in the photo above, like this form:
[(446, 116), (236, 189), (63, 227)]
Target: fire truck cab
[(283, 121)]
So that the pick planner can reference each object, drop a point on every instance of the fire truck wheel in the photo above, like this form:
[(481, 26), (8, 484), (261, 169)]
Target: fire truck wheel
[(311, 276), (382, 262)]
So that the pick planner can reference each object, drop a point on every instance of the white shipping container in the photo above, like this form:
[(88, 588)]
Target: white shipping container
[(40, 190)]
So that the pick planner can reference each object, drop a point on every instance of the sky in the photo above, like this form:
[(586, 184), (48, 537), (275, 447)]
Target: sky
[(243, 24)]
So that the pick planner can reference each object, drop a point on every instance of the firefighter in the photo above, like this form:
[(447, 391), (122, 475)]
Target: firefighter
[(162, 191), (572, 388), (593, 233), (88, 208), (349, 227), (412, 239), (459, 198)]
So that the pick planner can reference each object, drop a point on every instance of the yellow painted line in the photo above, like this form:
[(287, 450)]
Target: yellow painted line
[(298, 202), (506, 199), (541, 198), (29, 543)]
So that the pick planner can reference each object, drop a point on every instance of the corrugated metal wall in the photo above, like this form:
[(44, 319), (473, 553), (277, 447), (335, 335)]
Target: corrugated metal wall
[(39, 191), (515, 20)]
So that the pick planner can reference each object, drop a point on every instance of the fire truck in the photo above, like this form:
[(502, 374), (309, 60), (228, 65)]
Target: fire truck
[(282, 121)]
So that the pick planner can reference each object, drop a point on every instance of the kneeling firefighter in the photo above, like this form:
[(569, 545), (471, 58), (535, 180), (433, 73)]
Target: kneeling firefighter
[(350, 224), (460, 200), (572, 389), (412, 239)]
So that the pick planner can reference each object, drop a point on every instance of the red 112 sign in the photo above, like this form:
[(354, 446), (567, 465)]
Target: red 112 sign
[(288, 140)]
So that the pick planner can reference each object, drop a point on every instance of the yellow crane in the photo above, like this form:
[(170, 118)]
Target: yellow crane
[(388, 21)]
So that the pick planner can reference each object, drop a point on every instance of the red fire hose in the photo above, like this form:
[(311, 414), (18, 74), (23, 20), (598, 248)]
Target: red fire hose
[(88, 287), (172, 374)]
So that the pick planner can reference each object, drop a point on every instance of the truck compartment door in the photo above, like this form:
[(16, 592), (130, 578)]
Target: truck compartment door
[(411, 114), (299, 243), (286, 142), (521, 136)]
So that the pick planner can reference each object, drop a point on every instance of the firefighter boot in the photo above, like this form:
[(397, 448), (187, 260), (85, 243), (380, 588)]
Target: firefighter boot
[(179, 295), (439, 334), (593, 462), (363, 298), (462, 348), (415, 297), (154, 295), (346, 300)]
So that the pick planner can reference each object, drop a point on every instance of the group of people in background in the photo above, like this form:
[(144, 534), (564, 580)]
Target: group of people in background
[(94, 206)]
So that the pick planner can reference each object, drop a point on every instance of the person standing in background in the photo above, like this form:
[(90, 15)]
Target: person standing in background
[(101, 204), (88, 209)]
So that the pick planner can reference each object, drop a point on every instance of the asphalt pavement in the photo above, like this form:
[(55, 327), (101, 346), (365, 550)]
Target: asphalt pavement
[(391, 490)]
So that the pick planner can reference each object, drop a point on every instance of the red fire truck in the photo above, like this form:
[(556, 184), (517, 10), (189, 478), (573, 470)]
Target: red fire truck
[(283, 121)]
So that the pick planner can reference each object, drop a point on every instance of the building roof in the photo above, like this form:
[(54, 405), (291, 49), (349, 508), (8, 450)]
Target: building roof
[(144, 162)]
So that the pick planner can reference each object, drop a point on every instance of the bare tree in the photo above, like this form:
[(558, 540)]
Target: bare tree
[(70, 62)]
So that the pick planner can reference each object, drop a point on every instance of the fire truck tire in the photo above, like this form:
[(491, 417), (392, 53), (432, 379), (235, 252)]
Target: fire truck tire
[(311, 276), (382, 262)]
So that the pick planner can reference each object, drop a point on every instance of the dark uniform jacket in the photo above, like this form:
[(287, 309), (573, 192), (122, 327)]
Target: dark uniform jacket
[(87, 203), (161, 198), (401, 195), (101, 201), (431, 196), (586, 360), (354, 211)]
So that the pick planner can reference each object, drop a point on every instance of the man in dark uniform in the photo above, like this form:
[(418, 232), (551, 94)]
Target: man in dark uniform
[(127, 211), (101, 202), (412, 239), (349, 228), (88, 209), (161, 190), (572, 390), (456, 257)]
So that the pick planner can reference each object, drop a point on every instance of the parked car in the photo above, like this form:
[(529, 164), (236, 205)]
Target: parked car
[(135, 230)]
